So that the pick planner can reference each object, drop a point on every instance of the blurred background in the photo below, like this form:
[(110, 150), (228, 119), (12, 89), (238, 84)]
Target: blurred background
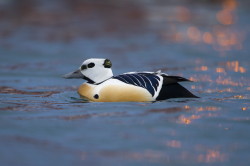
[(43, 121)]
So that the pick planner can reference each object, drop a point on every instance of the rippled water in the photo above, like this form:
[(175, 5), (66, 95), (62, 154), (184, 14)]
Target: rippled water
[(44, 122)]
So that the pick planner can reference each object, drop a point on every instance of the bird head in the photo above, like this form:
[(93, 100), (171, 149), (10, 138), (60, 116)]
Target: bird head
[(93, 70)]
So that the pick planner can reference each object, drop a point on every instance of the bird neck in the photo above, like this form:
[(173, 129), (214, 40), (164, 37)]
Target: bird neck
[(101, 77)]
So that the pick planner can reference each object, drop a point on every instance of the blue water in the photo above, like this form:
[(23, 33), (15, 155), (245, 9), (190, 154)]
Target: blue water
[(44, 122)]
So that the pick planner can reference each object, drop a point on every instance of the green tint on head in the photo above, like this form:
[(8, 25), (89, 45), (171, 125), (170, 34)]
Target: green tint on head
[(107, 63)]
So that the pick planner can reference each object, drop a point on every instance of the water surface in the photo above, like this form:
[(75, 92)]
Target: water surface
[(44, 122)]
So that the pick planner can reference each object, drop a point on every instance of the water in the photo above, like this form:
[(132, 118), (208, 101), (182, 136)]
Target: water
[(44, 122)]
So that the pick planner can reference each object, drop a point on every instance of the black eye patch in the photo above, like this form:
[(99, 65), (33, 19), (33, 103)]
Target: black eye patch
[(83, 67), (90, 65)]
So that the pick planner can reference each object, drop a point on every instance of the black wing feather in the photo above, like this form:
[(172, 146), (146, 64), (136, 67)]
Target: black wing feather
[(145, 80), (173, 79), (171, 88)]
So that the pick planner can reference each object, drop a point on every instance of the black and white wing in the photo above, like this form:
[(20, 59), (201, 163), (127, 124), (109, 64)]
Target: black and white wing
[(147, 80)]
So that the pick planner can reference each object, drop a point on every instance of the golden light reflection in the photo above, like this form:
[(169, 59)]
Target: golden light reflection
[(194, 34), (202, 68), (199, 87), (188, 120), (225, 90), (221, 80), (208, 38), (219, 90), (178, 37), (193, 79), (205, 78), (227, 66), (235, 66), (242, 70), (239, 97), (174, 144), (220, 36), (227, 39), (220, 70), (229, 5), (227, 81), (225, 17), (208, 108), (244, 108), (212, 156), (183, 14), (185, 120), (186, 107)]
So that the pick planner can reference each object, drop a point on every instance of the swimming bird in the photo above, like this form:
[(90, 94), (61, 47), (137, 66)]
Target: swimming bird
[(103, 86)]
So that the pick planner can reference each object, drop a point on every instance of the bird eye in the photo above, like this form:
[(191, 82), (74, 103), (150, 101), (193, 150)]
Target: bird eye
[(91, 65), (83, 67)]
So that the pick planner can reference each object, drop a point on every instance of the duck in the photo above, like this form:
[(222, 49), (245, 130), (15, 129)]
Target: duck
[(102, 86)]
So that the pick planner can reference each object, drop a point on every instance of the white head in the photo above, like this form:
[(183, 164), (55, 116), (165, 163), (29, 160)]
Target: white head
[(93, 70)]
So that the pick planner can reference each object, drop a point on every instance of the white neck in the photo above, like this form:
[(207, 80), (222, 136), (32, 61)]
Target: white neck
[(100, 77)]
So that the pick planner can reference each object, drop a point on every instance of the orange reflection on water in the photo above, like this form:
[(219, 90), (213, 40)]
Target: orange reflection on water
[(182, 13), (208, 108), (193, 79), (184, 120), (239, 97), (177, 37), (242, 70), (244, 108), (235, 66), (225, 90), (227, 39), (194, 34), (226, 15), (174, 144), (188, 120), (220, 70), (218, 90), (227, 81), (221, 36), (202, 68), (212, 156), (204, 78), (229, 5), (193, 87), (208, 38)]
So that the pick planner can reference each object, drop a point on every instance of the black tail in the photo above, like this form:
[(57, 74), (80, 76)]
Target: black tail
[(171, 89), (174, 91)]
